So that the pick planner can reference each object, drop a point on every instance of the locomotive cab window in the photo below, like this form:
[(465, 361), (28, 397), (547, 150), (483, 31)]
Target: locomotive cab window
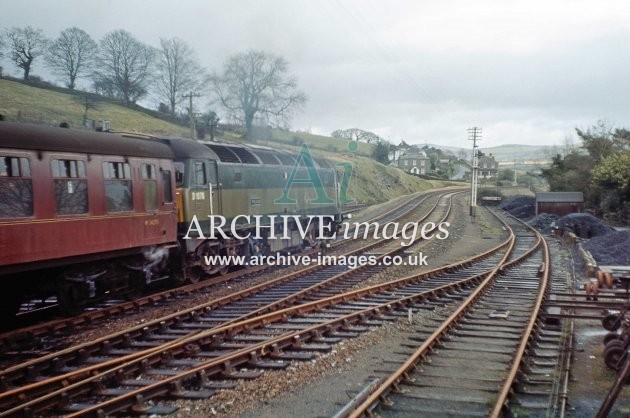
[(118, 192), (16, 187), (70, 184), (199, 174), (149, 180)]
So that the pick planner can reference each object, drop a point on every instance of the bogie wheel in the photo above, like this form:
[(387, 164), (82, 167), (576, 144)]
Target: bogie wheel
[(223, 270), (210, 250), (9, 305), (611, 336), (71, 299), (193, 275), (613, 354), (137, 284), (611, 322)]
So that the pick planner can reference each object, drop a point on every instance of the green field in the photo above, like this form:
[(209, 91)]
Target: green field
[(22, 103)]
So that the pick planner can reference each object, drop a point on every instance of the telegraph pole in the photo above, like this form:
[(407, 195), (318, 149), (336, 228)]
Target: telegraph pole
[(474, 134), (515, 183), (191, 115)]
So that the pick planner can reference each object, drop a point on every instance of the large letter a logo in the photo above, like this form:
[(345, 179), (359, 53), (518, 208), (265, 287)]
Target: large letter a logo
[(313, 178)]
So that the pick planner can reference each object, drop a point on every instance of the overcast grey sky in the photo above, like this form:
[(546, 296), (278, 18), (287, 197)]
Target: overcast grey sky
[(528, 72)]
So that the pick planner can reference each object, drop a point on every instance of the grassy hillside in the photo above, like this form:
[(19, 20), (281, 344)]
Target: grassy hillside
[(371, 182), (22, 103), (319, 142)]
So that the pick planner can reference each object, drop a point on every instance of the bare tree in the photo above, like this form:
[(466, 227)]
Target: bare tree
[(357, 134), (71, 55), (254, 84), (178, 71), (25, 44), (123, 67), (2, 47)]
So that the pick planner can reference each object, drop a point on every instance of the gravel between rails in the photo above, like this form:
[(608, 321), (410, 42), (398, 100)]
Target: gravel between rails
[(100, 328), (319, 388), (214, 292)]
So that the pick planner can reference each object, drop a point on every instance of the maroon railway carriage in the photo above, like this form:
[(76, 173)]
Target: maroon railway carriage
[(81, 213)]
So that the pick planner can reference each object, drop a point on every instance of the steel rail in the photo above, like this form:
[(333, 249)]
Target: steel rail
[(262, 348), (216, 366), (236, 358), (96, 345), (402, 373), (7, 374), (543, 289), (9, 339)]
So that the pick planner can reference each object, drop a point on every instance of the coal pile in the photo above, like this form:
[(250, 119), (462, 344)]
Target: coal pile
[(523, 207), (610, 249), (584, 225), (543, 222)]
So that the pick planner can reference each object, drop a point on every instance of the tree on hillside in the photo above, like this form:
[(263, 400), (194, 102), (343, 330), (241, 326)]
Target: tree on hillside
[(589, 169), (207, 123), (601, 141), (569, 173), (123, 67), (506, 174), (597, 141), (71, 55), (257, 84), (380, 152), (2, 47), (356, 134), (25, 45), (612, 176), (178, 71), (621, 139)]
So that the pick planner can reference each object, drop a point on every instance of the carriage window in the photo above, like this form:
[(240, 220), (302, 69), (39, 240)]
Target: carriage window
[(199, 174), (118, 193), (166, 185), (70, 183), (16, 187), (148, 172), (149, 181)]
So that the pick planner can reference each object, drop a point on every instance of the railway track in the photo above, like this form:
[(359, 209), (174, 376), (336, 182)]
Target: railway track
[(266, 297), (542, 389), (45, 336), (468, 364), (208, 357)]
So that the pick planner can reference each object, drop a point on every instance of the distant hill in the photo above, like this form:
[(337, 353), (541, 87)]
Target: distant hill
[(510, 152), (520, 152)]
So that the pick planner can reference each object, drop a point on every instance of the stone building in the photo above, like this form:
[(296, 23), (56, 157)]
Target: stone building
[(488, 167), (415, 162)]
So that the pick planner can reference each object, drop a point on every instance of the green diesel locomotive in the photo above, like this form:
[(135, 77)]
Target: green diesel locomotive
[(237, 199)]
